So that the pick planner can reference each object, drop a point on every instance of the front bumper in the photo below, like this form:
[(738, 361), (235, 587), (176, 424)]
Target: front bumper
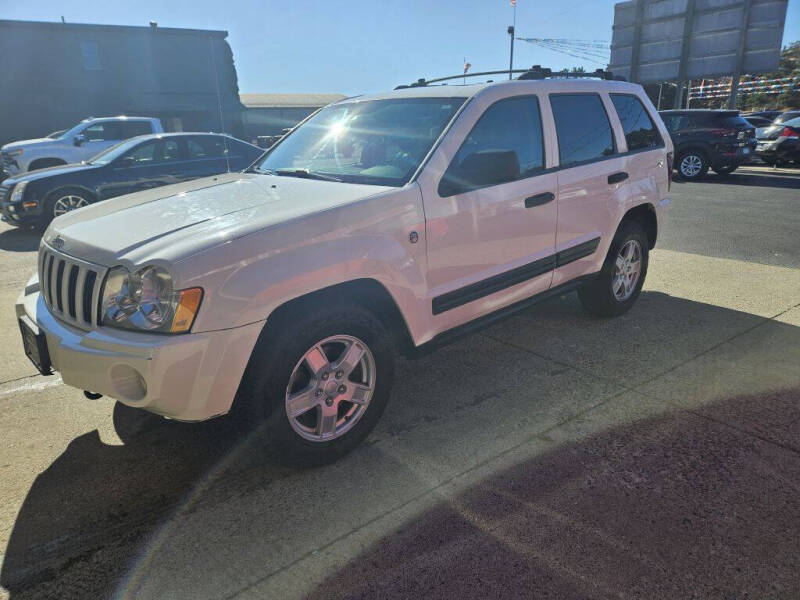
[(189, 377)]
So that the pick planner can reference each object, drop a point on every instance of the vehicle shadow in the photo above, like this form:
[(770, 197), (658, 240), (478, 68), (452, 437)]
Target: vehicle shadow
[(20, 239), (680, 506), (780, 179), (198, 510)]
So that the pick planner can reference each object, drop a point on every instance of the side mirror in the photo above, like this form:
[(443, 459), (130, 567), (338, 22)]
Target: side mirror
[(79, 140), (480, 169)]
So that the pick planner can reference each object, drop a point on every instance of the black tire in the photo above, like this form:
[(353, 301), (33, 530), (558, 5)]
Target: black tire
[(726, 170), (261, 400), (696, 157), (48, 209), (598, 296)]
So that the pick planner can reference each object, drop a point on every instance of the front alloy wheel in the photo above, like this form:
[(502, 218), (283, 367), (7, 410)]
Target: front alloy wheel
[(68, 203), (330, 388), (318, 381)]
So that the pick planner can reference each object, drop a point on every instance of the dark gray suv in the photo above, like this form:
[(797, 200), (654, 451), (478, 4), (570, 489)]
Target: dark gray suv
[(717, 139)]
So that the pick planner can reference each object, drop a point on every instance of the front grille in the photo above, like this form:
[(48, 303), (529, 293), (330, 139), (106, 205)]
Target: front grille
[(6, 161), (5, 193), (70, 287)]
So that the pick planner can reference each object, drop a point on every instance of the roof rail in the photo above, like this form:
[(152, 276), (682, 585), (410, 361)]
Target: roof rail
[(535, 72)]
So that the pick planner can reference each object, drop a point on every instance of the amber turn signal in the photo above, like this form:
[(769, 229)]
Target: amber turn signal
[(186, 311)]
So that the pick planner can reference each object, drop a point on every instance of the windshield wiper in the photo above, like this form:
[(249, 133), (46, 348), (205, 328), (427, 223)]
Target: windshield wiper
[(306, 174), (257, 170)]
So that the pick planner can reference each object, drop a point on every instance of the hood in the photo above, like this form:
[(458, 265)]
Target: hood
[(176, 221), (26, 143), (50, 171)]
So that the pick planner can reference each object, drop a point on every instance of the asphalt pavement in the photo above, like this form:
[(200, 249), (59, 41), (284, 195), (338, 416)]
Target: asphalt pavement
[(553, 455)]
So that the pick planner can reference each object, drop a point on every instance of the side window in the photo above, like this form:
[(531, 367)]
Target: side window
[(640, 131), (582, 128), (96, 133), (153, 152), (506, 144), (143, 154), (129, 129), (206, 147)]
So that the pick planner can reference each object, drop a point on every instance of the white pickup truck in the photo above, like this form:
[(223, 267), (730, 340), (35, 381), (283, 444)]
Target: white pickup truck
[(78, 143), (382, 224)]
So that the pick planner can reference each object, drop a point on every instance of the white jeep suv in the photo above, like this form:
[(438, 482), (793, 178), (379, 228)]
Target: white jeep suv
[(382, 224)]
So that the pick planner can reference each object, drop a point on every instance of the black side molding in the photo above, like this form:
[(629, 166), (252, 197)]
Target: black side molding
[(577, 252), (539, 199), (617, 177), (493, 284), (455, 333)]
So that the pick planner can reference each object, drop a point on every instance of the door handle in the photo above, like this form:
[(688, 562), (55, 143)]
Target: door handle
[(617, 177), (539, 199)]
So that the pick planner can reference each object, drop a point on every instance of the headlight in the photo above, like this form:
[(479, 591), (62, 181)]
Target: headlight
[(19, 191), (146, 301), (12, 153)]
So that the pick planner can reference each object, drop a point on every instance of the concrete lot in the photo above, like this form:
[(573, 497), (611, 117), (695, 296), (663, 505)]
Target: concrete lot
[(553, 455)]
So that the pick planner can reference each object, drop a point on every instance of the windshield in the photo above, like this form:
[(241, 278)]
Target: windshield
[(112, 153), (378, 142)]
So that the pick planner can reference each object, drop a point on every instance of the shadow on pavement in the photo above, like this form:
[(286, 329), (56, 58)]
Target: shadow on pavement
[(681, 506), (20, 239), (762, 179), (675, 507)]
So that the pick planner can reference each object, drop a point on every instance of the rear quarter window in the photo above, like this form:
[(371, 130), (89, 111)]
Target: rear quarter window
[(640, 130)]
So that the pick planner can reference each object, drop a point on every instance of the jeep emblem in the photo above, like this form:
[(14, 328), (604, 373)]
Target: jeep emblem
[(58, 242)]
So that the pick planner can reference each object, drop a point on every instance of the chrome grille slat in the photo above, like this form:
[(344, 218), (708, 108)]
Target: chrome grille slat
[(82, 272), (54, 289)]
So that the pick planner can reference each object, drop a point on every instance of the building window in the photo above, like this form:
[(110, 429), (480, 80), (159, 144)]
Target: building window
[(91, 56)]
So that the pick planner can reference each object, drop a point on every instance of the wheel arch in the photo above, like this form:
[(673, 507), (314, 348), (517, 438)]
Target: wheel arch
[(645, 215), (50, 162), (366, 293)]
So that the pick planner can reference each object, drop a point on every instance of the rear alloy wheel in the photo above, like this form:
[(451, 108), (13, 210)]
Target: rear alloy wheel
[(692, 165), (620, 280)]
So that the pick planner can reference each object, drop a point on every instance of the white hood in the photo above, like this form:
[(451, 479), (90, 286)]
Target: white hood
[(176, 221)]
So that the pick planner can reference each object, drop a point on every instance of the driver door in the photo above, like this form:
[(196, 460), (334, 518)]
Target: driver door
[(491, 220)]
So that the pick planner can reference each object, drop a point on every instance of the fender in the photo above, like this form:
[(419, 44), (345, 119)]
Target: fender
[(246, 279)]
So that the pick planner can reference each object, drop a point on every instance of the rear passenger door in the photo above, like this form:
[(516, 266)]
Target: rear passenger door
[(152, 163), (590, 179)]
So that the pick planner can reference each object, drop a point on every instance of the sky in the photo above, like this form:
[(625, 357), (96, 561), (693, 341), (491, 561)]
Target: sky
[(360, 46)]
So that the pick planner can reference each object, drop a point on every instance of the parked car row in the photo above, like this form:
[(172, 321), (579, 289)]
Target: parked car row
[(722, 140), (140, 163), (73, 145)]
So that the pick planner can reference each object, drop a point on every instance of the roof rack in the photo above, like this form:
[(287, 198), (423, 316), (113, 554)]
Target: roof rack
[(535, 72)]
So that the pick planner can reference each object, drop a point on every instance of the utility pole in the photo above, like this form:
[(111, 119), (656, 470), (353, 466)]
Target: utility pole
[(511, 30)]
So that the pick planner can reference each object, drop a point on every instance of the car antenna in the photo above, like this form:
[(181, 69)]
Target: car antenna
[(219, 104)]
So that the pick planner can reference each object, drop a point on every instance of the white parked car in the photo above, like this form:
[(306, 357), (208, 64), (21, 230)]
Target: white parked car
[(383, 224), (79, 143)]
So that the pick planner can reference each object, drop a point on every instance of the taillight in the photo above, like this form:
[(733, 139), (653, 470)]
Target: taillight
[(723, 132), (788, 132), (669, 170)]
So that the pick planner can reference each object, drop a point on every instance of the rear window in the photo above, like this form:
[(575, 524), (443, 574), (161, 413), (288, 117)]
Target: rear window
[(640, 131), (129, 129), (582, 128)]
